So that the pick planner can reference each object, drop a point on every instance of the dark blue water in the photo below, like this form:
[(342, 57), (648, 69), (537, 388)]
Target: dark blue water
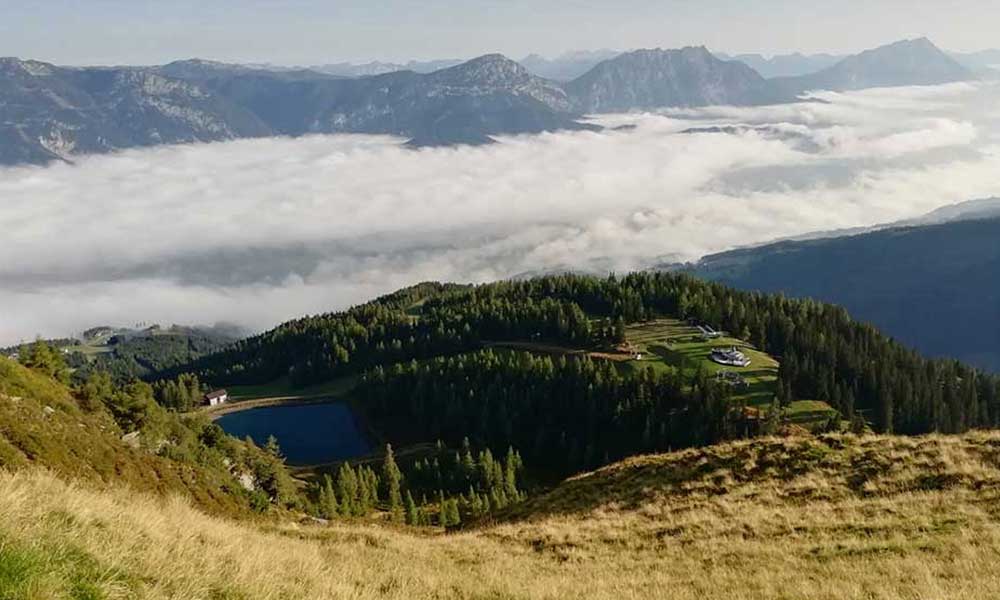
[(308, 434)]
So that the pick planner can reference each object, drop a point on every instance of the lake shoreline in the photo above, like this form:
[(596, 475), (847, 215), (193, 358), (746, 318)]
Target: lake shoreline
[(309, 431), (215, 412)]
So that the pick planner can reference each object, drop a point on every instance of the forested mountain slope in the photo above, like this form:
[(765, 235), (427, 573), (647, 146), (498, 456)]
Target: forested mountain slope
[(931, 287), (548, 369), (824, 356), (128, 354)]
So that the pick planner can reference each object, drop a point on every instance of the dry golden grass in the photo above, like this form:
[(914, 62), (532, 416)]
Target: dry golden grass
[(838, 517)]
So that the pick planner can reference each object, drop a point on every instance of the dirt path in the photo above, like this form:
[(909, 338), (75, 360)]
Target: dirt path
[(215, 412), (559, 350)]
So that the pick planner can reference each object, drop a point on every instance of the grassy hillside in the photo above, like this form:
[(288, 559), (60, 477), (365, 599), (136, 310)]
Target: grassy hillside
[(42, 425), (812, 518)]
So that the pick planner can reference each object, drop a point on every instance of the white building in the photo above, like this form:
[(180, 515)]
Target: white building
[(708, 333), (731, 357), (217, 397)]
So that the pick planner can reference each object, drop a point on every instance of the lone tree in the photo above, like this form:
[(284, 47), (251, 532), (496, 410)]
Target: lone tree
[(412, 513), (392, 477), (328, 508)]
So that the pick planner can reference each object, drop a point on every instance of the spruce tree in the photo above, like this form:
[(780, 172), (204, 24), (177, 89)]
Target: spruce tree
[(347, 488), (328, 508), (272, 447), (392, 478), (454, 517), (412, 515)]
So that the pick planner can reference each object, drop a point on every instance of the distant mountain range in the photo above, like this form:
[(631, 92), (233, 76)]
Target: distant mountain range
[(49, 112), (931, 282), (785, 65), (345, 69), (984, 59), (569, 66), (57, 113), (910, 62)]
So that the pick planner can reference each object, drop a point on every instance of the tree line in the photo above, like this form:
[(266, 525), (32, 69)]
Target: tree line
[(444, 487), (566, 413), (825, 354)]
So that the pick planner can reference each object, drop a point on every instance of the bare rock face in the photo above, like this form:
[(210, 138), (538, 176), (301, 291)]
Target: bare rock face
[(53, 113)]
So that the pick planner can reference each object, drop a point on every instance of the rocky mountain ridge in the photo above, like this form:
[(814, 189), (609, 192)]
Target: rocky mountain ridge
[(51, 113)]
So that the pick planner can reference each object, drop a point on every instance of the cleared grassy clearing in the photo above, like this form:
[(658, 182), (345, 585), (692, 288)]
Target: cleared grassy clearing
[(88, 350), (808, 412), (283, 389), (669, 342)]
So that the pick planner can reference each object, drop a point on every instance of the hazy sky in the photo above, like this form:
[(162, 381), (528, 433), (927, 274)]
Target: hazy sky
[(316, 31)]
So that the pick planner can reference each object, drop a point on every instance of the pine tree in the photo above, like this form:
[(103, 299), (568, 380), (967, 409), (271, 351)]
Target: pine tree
[(347, 488), (442, 509), (454, 517), (272, 447), (328, 507), (392, 478), (365, 500), (412, 515)]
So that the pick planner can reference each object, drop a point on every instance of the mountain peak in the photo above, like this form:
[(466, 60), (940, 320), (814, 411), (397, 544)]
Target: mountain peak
[(922, 41), (488, 70), (904, 63), (28, 66), (198, 66), (653, 77), (921, 44), (684, 51), (495, 73), (494, 60)]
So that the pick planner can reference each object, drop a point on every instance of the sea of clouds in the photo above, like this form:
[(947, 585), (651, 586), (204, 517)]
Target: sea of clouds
[(259, 231)]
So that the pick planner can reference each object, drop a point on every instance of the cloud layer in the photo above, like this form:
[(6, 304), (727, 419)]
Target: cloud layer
[(258, 231)]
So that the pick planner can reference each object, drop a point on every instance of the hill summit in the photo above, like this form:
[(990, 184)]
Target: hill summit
[(833, 518)]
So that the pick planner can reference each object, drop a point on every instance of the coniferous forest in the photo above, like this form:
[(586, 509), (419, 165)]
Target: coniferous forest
[(444, 487), (566, 414), (420, 349)]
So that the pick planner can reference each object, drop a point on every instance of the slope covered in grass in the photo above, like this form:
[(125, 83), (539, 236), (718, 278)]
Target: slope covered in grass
[(817, 518), (43, 425)]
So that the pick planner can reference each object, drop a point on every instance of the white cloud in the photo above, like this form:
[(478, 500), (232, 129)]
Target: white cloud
[(258, 231)]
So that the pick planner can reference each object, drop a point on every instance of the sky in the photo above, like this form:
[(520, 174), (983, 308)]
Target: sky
[(309, 32), (256, 232)]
